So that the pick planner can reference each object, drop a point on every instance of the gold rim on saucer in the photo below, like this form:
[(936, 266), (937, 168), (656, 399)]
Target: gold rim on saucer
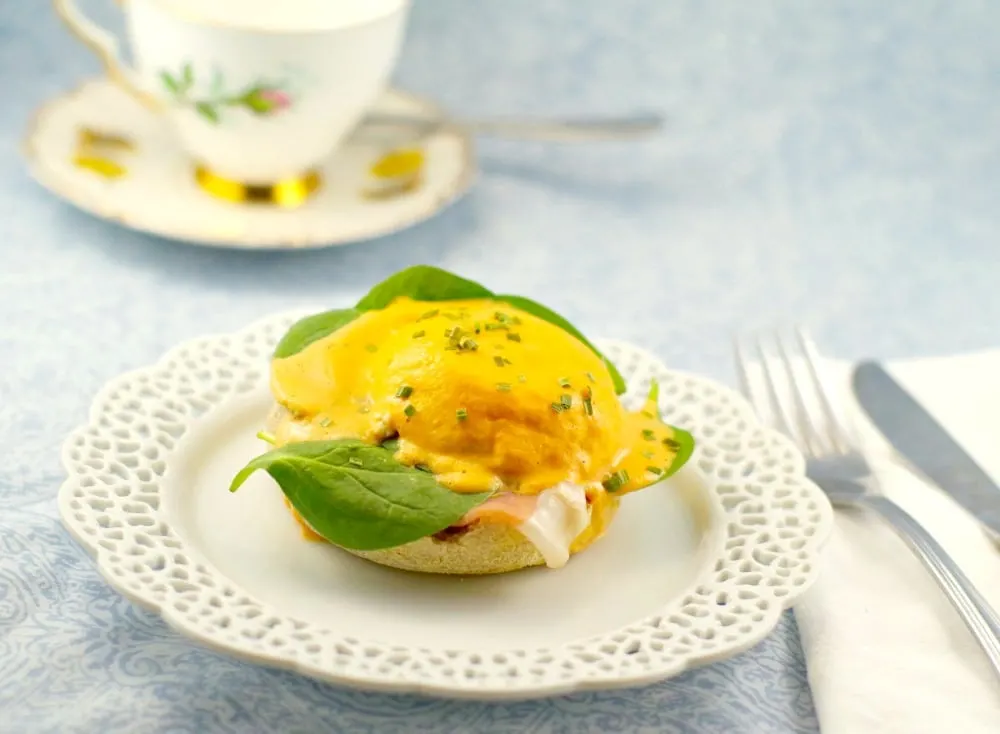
[(345, 211)]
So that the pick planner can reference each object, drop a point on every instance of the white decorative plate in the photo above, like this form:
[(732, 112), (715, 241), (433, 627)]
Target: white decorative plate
[(696, 569), (145, 182)]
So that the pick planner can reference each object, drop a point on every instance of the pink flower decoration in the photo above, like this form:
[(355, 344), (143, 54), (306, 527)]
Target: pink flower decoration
[(278, 100)]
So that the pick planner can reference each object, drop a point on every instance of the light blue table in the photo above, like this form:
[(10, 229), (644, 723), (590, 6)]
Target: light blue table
[(834, 163)]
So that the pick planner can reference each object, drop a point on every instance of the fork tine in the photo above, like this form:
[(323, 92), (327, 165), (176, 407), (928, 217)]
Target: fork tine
[(811, 432), (742, 374), (839, 431), (783, 419), (751, 386)]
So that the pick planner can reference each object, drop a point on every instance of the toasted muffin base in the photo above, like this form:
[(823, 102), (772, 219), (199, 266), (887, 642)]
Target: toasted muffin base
[(478, 550), (482, 549)]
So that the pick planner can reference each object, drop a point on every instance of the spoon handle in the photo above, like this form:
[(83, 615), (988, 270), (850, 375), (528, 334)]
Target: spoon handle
[(556, 130)]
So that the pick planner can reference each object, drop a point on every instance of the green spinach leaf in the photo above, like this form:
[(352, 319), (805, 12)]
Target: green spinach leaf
[(685, 447), (422, 283), (654, 396), (358, 496), (313, 328), (683, 441)]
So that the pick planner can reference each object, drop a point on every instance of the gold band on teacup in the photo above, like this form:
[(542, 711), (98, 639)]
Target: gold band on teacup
[(288, 193)]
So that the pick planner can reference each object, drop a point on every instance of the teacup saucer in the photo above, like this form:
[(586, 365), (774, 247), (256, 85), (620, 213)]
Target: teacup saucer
[(101, 150)]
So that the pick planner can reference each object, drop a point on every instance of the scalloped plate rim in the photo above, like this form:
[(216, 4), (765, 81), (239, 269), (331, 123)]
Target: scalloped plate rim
[(456, 689)]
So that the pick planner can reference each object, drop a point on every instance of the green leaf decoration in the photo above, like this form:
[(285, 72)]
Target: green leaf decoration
[(170, 83), (255, 102), (358, 496), (217, 83), (188, 75), (208, 112)]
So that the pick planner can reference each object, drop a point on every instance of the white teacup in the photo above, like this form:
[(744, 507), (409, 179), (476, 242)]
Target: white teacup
[(259, 91)]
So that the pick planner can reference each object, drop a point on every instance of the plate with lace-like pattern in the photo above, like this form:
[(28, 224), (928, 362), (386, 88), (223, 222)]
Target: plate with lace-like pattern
[(693, 570)]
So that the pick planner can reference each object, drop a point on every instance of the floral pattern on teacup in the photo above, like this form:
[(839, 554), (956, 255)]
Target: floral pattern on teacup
[(263, 99)]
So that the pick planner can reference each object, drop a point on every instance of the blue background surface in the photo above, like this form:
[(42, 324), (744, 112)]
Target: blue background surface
[(833, 163)]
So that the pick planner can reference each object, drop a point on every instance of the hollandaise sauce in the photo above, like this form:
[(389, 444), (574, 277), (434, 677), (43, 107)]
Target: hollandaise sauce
[(484, 396)]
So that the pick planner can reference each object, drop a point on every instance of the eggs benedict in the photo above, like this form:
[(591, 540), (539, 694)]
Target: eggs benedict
[(468, 433)]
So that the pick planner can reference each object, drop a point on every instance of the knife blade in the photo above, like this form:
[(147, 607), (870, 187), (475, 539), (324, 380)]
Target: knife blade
[(925, 444)]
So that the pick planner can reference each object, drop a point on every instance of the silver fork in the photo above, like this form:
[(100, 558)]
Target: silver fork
[(787, 389)]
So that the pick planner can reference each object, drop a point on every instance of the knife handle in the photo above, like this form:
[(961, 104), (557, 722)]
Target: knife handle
[(977, 613)]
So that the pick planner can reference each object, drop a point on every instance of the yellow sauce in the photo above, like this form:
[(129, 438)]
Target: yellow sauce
[(481, 407)]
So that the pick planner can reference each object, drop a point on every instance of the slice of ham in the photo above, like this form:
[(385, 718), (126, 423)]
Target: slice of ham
[(509, 509)]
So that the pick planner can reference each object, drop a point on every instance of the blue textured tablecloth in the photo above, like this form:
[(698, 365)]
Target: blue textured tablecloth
[(833, 163)]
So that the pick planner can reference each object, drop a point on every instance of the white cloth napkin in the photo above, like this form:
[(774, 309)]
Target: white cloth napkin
[(885, 651)]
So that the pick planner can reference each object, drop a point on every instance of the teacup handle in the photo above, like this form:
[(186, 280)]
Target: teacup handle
[(105, 45)]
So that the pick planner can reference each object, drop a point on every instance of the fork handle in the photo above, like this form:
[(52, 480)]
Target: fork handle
[(977, 613)]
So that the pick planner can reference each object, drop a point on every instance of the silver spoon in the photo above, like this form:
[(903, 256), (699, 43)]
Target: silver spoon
[(566, 130)]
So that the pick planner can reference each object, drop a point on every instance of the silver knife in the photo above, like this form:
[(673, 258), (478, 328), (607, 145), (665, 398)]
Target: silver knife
[(925, 444)]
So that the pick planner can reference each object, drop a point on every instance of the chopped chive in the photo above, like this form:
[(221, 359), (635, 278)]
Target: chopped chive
[(648, 434), (418, 334), (671, 444), (461, 414), (429, 315), (563, 382), (557, 407), (497, 327), (267, 437), (499, 361), (566, 401), (522, 378), (475, 327), (515, 320), (590, 376), (453, 332), (324, 422), (468, 344), (647, 414), (654, 470), (355, 461), (507, 361), (409, 411), (647, 454), (501, 317), (588, 406), (404, 392), (371, 348), (616, 481), (514, 337), (504, 386)]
